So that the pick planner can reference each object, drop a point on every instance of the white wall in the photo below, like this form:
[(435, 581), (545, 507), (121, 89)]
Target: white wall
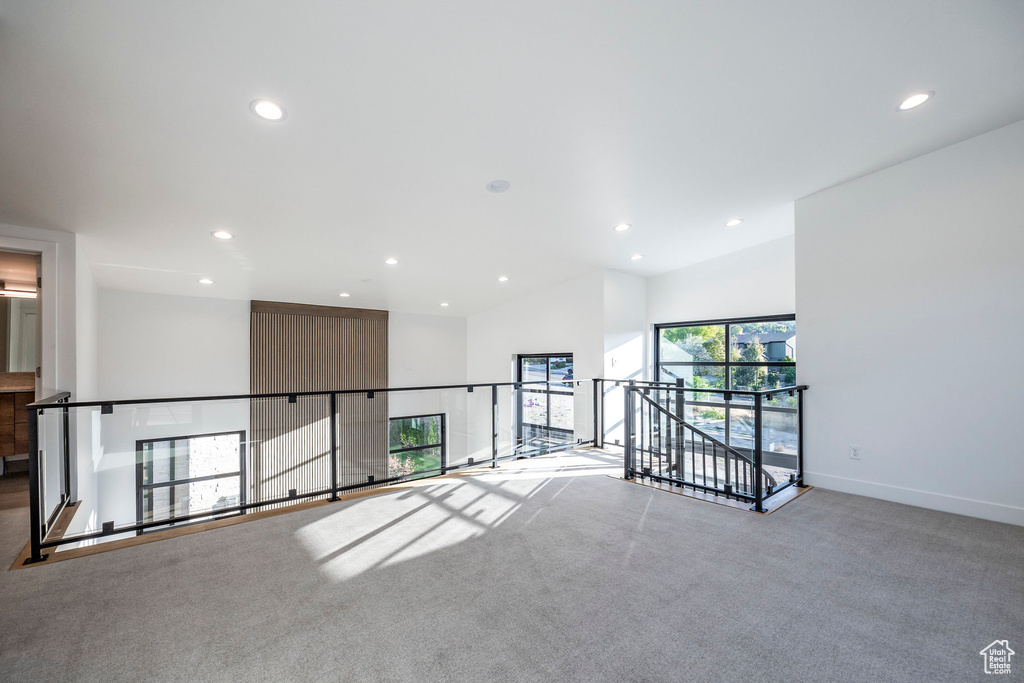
[(85, 322), (625, 325), (430, 350), (152, 345), (426, 350), (149, 346), (626, 341), (85, 433), (156, 345), (909, 297), (565, 318), (755, 281)]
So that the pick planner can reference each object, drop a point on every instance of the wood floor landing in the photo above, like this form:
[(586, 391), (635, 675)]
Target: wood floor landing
[(771, 505)]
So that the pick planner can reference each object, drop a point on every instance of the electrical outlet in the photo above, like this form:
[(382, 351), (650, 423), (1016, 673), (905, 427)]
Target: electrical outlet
[(855, 452)]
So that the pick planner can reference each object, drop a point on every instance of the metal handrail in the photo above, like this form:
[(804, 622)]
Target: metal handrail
[(61, 397), (39, 529), (45, 403), (764, 483), (676, 387), (728, 449)]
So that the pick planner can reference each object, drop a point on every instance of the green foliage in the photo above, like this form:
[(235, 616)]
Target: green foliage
[(705, 343), (750, 377), (788, 378), (411, 462), (415, 431), (712, 414), (410, 432)]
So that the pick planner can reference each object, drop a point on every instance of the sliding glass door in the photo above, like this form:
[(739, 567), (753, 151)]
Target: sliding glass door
[(545, 410)]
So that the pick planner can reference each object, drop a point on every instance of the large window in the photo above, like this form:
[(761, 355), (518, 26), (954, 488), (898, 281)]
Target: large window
[(752, 353), (740, 354), (189, 475), (545, 410), (416, 445)]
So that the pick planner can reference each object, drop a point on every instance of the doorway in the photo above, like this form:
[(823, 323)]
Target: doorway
[(19, 355), (544, 411)]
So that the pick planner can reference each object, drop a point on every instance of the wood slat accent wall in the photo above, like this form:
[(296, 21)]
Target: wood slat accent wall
[(296, 347)]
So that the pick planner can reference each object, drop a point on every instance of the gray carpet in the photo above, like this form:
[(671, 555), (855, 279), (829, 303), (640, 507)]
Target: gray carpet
[(544, 570)]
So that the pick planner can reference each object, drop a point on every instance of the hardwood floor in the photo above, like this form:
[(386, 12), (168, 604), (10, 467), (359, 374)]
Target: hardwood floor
[(14, 490), (770, 505)]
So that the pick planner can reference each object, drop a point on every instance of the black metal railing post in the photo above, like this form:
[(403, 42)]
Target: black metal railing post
[(66, 458), (444, 443), (800, 438), (494, 426), (35, 502), (680, 412), (758, 466), (598, 388), (627, 424), (334, 446)]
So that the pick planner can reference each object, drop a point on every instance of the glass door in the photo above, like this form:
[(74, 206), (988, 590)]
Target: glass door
[(545, 410)]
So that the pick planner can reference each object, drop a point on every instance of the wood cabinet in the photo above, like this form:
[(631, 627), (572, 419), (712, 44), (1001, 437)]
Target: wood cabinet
[(14, 422)]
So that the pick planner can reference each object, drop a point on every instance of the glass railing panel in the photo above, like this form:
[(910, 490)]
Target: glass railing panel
[(51, 461), (582, 417), (740, 427), (156, 465), (147, 463), (363, 433), (780, 436), (415, 445), (476, 426), (289, 447), (465, 418), (507, 428)]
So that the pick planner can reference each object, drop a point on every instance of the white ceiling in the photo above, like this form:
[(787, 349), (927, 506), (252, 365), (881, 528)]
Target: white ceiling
[(129, 123)]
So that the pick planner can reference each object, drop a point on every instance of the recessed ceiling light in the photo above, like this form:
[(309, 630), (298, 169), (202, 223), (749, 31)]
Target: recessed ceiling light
[(444, 304), (498, 185), (267, 110), (636, 257), (622, 227), (733, 222), (391, 261), (916, 100), (222, 235), (345, 294), (206, 281), (503, 279)]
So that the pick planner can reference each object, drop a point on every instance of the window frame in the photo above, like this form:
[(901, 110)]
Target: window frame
[(547, 388), (547, 391), (443, 445), (728, 364), (707, 400), (141, 487)]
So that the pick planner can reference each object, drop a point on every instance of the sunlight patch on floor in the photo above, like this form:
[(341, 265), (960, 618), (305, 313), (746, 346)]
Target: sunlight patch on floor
[(394, 527)]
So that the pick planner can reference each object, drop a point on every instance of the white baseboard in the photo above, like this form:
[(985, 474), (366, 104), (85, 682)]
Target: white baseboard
[(996, 512)]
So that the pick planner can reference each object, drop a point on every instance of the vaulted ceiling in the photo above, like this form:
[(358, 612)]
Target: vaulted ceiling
[(129, 124)]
